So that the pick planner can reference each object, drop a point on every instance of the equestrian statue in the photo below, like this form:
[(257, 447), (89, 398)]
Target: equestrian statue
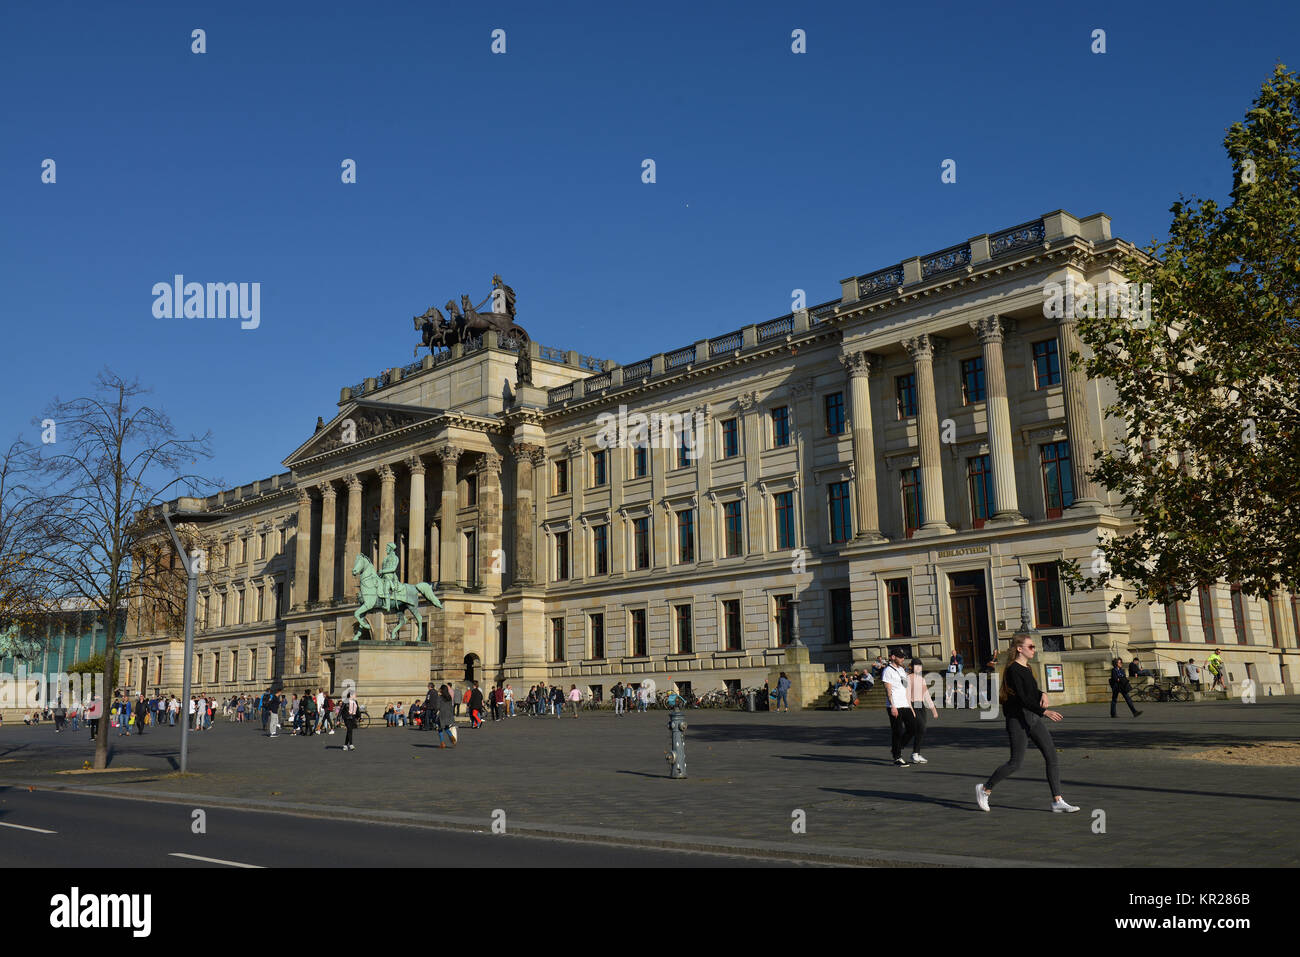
[(381, 591)]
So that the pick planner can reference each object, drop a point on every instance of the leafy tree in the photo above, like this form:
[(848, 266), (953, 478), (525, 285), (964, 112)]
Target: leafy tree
[(1209, 386)]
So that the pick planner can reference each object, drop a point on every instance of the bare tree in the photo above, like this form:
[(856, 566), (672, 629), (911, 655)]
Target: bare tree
[(113, 461), (26, 589)]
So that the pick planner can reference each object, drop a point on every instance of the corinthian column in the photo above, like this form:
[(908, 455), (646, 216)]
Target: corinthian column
[(922, 349), (1005, 501), (352, 543), (325, 569), (526, 456), (867, 512), (387, 508), (415, 522), (302, 551), (1076, 414), (449, 557)]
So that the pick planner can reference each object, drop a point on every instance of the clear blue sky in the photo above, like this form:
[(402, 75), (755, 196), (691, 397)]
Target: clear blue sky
[(775, 171)]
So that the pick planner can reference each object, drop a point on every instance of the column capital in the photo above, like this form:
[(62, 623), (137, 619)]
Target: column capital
[(327, 489), (746, 401), (860, 364), (353, 482), (489, 463), (415, 465), (523, 451), (449, 454), (800, 387), (386, 473), (988, 328), (574, 446), (703, 412), (304, 497), (924, 347)]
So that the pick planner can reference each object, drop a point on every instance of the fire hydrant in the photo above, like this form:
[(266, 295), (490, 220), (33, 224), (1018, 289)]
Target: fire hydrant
[(677, 756)]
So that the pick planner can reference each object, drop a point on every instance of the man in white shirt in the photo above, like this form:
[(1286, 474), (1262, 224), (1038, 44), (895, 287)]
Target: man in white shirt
[(902, 719)]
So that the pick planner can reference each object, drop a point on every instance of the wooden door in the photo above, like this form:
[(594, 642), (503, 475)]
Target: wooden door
[(963, 623)]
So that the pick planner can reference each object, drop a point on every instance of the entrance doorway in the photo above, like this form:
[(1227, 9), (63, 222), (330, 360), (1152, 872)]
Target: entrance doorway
[(970, 617), (472, 668)]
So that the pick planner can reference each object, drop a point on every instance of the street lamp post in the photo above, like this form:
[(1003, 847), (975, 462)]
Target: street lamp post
[(1025, 627), (191, 563)]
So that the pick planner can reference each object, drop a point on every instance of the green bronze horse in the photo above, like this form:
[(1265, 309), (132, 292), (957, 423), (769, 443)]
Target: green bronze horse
[(407, 601)]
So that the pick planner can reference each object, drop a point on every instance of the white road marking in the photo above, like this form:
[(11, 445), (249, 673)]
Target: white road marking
[(215, 860), (24, 827)]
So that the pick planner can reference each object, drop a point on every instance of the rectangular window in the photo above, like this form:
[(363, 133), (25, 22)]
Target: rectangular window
[(561, 556), (1239, 616), (598, 471), (600, 549), (1295, 613), (684, 440), (1271, 600), (730, 438), (264, 538), (471, 559), (240, 620), (972, 380), (561, 476), (557, 639), (784, 614), (835, 413), (780, 426), (910, 480), (1206, 598), (641, 541), (1047, 595), (597, 622), (841, 513), (980, 472), (900, 608), (1173, 622), (734, 543), (1047, 365), (686, 536), (784, 504), (905, 385), (252, 665), (216, 668), (841, 616), (1058, 484), (640, 462), (685, 637), (639, 648), (731, 624), (471, 491)]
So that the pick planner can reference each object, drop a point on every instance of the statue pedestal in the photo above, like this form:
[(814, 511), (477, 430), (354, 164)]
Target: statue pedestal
[(382, 672), (807, 680)]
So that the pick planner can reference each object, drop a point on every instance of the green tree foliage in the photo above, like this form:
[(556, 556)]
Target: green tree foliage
[(1209, 387)]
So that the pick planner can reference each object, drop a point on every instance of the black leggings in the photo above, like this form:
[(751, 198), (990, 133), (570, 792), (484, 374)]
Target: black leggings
[(1021, 731), (351, 726)]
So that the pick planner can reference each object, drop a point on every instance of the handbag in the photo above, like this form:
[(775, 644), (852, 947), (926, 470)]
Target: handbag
[(452, 731)]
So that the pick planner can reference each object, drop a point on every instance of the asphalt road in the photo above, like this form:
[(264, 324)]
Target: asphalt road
[(50, 829)]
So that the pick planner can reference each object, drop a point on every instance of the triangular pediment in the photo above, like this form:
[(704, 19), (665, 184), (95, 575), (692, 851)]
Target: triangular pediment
[(357, 422)]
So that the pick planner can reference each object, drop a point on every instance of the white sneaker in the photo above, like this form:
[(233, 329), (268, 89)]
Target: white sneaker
[(1062, 807), (917, 759), (981, 797), (331, 730)]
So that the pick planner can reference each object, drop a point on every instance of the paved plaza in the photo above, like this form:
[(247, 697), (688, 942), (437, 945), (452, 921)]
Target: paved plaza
[(604, 778)]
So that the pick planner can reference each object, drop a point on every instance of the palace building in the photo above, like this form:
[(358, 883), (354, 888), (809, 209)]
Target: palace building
[(880, 468)]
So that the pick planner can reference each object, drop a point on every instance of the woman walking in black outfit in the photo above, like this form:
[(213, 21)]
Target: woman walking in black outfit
[(1025, 707), (350, 712)]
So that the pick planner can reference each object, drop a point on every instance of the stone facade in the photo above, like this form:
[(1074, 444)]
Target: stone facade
[(895, 459)]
